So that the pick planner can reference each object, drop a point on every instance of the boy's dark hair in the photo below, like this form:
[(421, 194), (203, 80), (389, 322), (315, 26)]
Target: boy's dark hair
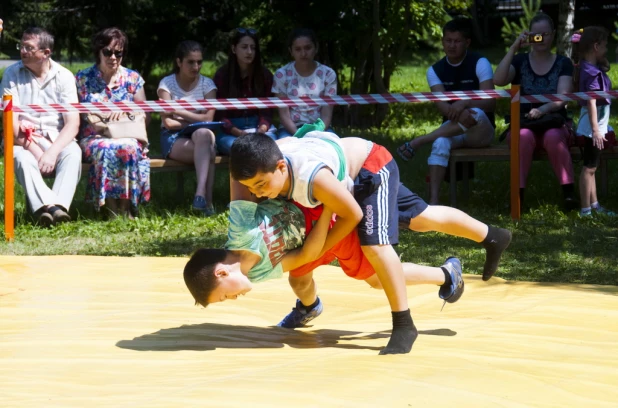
[(253, 153), (589, 37), (199, 273), (459, 25)]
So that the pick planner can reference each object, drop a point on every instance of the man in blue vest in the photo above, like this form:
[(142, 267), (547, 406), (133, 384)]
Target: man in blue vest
[(467, 123)]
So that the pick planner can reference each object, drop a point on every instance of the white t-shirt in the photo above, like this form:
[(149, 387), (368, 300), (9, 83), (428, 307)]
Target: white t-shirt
[(58, 87), (309, 154), (199, 91), (483, 72), (289, 82)]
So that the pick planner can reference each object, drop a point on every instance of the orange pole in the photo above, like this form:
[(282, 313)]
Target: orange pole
[(515, 112), (9, 170)]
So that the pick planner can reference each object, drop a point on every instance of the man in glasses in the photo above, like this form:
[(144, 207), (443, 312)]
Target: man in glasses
[(44, 142)]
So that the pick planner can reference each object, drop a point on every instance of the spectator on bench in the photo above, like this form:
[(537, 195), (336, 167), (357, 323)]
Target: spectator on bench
[(243, 76), (198, 146), (44, 142), (304, 77), (119, 175), (466, 123), (541, 72)]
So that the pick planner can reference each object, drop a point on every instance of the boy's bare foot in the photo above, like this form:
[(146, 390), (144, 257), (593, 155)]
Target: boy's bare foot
[(403, 335)]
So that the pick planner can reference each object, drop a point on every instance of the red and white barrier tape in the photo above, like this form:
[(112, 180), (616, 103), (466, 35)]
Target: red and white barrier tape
[(7, 105), (266, 103)]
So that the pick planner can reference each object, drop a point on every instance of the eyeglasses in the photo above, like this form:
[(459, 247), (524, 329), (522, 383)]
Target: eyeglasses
[(27, 48), (250, 31), (108, 53)]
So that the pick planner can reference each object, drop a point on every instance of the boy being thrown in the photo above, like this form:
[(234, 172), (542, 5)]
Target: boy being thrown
[(323, 169), (271, 237)]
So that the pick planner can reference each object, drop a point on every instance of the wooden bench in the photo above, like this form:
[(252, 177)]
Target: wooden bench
[(502, 153), (161, 165)]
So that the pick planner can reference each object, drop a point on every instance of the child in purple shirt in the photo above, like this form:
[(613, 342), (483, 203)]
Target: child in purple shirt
[(590, 49)]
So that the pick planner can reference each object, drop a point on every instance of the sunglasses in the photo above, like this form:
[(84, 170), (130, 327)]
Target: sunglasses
[(250, 31), (108, 53)]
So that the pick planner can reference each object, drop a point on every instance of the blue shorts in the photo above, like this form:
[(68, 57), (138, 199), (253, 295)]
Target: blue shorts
[(386, 203), (410, 205), (168, 138), (375, 190)]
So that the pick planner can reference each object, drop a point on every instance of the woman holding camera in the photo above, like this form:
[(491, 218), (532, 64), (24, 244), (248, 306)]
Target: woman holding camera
[(541, 72)]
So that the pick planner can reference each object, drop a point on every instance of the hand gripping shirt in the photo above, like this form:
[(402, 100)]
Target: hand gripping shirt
[(269, 229), (306, 156)]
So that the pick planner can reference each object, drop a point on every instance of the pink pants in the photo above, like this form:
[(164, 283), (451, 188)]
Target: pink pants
[(555, 143)]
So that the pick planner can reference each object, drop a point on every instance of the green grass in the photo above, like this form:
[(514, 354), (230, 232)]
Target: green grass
[(548, 244)]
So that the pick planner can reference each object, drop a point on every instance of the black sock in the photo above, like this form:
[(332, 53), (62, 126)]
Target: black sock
[(311, 306), (496, 241), (403, 335), (447, 277), (521, 195)]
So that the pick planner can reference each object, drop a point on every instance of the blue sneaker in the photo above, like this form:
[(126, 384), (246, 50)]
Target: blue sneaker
[(299, 316), (453, 292), (605, 211), (200, 204)]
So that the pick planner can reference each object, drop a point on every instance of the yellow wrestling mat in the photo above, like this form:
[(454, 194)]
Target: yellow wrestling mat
[(79, 331)]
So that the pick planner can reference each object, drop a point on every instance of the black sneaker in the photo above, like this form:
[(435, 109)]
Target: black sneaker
[(45, 219)]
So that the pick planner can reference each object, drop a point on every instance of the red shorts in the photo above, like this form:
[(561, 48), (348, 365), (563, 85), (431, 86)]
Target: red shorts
[(348, 251)]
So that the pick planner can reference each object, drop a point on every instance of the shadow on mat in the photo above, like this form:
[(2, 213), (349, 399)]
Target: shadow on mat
[(211, 336)]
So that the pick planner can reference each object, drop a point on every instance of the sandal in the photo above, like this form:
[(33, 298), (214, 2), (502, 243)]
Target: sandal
[(406, 152)]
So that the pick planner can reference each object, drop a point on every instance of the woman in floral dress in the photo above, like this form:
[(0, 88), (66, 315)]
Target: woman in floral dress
[(119, 177)]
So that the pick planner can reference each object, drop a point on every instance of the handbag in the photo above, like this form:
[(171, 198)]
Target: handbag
[(130, 125), (544, 123), (539, 125)]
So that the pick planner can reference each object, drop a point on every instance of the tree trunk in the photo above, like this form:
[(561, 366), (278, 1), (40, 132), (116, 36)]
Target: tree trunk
[(377, 54), (565, 27), (381, 110)]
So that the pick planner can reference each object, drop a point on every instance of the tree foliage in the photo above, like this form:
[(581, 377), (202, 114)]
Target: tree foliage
[(363, 40), (511, 29)]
